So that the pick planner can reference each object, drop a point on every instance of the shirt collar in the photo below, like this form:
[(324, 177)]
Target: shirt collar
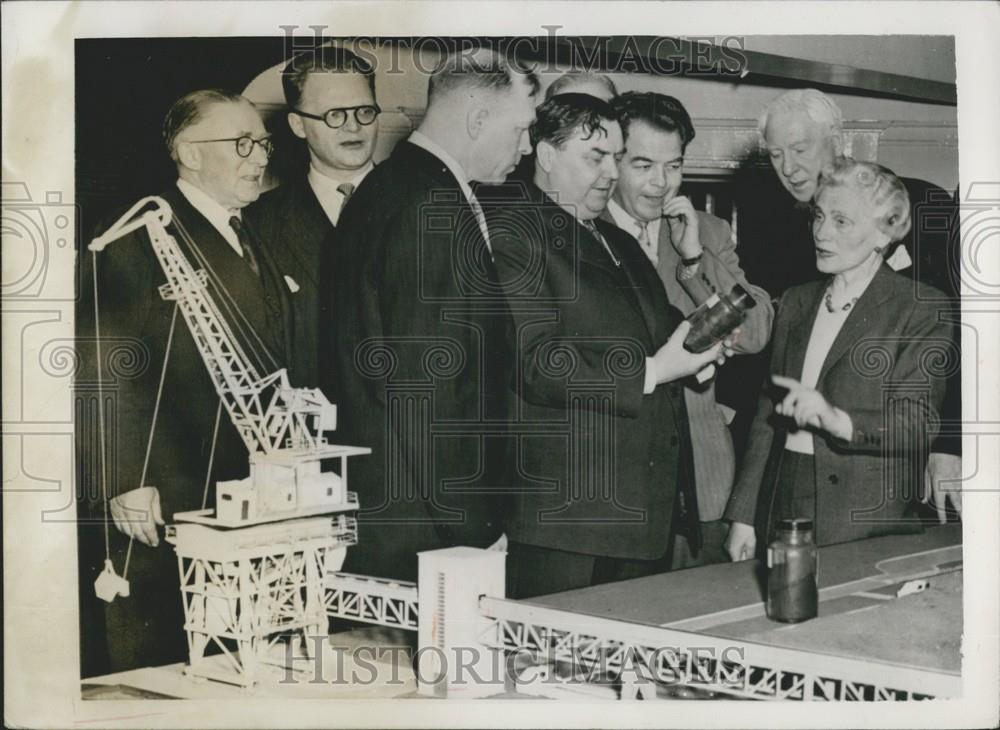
[(423, 141), (629, 223), (212, 211), (325, 188)]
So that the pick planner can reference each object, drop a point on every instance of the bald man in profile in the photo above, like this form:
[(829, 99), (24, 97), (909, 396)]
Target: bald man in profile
[(419, 351)]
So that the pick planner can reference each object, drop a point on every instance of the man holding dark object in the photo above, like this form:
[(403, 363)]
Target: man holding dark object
[(166, 443), (695, 256), (599, 348), (420, 349), (330, 93)]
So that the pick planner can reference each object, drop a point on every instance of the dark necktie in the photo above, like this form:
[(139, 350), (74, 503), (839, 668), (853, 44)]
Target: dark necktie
[(246, 243), (347, 190), (592, 227)]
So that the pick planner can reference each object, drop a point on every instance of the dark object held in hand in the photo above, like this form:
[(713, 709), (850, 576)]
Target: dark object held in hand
[(717, 317)]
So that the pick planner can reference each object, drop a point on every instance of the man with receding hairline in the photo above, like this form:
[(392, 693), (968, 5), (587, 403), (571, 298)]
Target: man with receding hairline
[(418, 356)]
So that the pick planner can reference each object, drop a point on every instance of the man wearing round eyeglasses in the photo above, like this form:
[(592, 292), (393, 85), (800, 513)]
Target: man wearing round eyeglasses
[(220, 147), (330, 93)]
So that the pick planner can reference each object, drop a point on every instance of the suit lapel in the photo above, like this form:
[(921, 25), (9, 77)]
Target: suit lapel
[(804, 308), (860, 318), (237, 291), (638, 289), (440, 180), (667, 259), (314, 218)]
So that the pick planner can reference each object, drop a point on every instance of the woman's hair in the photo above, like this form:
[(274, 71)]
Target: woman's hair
[(883, 189)]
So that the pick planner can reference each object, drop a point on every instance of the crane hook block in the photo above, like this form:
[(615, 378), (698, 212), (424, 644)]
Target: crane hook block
[(109, 584)]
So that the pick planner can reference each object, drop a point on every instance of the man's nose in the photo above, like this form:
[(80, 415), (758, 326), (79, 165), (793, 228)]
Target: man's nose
[(787, 165), (659, 178), (351, 123), (524, 143), (259, 155), (610, 168)]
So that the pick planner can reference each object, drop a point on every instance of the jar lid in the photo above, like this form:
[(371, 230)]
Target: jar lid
[(796, 524)]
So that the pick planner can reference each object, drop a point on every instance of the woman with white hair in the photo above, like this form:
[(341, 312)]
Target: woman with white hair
[(860, 359)]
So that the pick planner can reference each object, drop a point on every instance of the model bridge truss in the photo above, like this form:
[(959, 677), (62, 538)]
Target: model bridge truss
[(637, 658), (641, 655)]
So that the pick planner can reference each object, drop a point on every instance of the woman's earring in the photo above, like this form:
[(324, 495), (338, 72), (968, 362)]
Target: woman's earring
[(879, 249)]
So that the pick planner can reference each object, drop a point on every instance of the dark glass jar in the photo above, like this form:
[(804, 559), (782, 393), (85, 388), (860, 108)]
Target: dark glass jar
[(792, 591), (717, 317)]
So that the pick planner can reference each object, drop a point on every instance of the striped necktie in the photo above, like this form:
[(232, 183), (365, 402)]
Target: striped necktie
[(246, 243)]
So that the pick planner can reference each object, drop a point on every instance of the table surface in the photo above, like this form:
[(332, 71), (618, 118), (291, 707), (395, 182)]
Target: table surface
[(860, 616)]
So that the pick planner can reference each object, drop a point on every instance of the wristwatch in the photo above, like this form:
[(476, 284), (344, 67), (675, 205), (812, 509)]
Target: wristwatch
[(689, 267)]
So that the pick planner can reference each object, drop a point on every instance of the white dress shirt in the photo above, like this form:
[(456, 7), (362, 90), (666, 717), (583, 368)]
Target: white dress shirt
[(425, 142), (630, 224), (825, 329), (329, 197), (213, 213)]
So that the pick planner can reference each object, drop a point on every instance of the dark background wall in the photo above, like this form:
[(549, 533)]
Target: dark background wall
[(124, 87)]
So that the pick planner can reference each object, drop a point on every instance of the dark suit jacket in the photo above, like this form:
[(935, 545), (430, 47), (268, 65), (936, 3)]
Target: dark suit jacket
[(599, 462), (147, 628), (719, 271), (777, 250), (293, 222), (419, 361), (884, 369)]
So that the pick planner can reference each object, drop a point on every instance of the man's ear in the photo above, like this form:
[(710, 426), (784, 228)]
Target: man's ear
[(838, 143), (296, 125), (544, 155), (476, 120), (189, 155)]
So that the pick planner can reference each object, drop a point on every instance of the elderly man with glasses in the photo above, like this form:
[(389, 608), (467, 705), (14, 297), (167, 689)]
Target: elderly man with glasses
[(330, 93), (220, 147)]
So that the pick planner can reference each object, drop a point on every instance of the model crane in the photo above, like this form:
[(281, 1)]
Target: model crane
[(243, 587)]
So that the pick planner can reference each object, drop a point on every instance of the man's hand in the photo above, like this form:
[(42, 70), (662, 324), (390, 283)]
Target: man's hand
[(137, 513), (808, 407), (741, 542), (672, 361), (943, 481), (683, 222)]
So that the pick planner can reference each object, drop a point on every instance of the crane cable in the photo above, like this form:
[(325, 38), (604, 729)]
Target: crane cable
[(152, 425), (211, 455), (100, 414), (229, 303)]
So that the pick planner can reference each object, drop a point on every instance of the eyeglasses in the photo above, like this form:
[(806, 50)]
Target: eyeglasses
[(337, 118), (244, 144)]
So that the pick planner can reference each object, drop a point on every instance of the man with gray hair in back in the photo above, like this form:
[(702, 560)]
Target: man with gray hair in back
[(802, 134), (418, 303)]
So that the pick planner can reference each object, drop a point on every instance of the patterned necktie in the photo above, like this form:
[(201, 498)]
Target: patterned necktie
[(644, 241), (246, 243), (592, 227), (347, 190)]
